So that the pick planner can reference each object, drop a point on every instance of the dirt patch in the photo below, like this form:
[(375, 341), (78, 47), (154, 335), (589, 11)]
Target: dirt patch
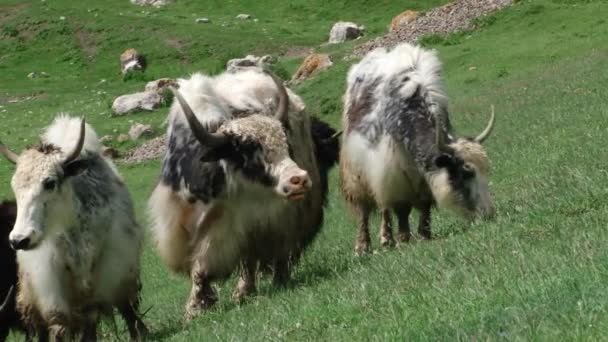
[(151, 149), (17, 99), (298, 52), (178, 45), (9, 12), (452, 17), (87, 42)]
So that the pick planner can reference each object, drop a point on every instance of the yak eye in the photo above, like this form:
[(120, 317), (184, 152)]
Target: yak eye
[(49, 184), (468, 171)]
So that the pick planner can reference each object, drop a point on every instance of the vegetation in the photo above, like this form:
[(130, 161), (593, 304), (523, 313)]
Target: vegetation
[(536, 273)]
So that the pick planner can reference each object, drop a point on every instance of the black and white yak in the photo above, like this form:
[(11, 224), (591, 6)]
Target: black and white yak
[(242, 183), (78, 243), (399, 150)]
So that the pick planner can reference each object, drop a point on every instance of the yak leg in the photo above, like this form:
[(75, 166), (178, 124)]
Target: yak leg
[(89, 333), (403, 216), (42, 334), (130, 313), (424, 226), (386, 229), (202, 294), (363, 239), (282, 272), (246, 285)]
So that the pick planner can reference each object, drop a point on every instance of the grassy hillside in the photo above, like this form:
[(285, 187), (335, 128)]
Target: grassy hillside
[(537, 273)]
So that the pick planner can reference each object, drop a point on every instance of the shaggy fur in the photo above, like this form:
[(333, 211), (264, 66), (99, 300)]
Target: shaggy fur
[(83, 258), (211, 216), (389, 158)]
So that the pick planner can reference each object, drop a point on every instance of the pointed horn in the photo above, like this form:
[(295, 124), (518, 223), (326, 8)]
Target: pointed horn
[(201, 134), (8, 154), (440, 138), (337, 134), (486, 132), (9, 295), (282, 113), (79, 145)]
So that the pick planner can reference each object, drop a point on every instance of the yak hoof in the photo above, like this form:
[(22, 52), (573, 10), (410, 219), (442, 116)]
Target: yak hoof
[(362, 248), (242, 292), (387, 241), (404, 237), (142, 331)]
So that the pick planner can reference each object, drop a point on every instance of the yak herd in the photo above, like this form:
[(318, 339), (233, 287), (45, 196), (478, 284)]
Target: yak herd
[(242, 187)]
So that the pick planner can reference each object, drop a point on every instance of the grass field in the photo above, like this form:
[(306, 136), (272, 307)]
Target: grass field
[(539, 272)]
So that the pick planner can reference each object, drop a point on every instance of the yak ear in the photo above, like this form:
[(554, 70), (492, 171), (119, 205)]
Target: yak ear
[(213, 154), (444, 161), (75, 167)]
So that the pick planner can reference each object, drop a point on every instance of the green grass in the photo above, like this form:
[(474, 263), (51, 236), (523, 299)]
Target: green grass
[(537, 273)]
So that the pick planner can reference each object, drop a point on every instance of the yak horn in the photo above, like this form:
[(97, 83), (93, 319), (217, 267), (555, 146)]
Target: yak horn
[(8, 154), (79, 145), (7, 298), (200, 133), (282, 113), (486, 132)]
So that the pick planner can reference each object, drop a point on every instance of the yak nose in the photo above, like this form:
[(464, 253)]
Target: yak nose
[(20, 242)]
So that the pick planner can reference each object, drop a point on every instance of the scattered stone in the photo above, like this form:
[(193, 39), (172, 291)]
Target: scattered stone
[(110, 152), (243, 16), (452, 17), (106, 139), (31, 75), (151, 149), (312, 64), (343, 31), (160, 85), (147, 100), (122, 138), (401, 19), (472, 68), (62, 18), (202, 20), (132, 60), (155, 3), (138, 130), (249, 61)]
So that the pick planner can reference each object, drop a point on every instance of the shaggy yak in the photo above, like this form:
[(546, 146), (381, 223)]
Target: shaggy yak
[(78, 243), (399, 150), (239, 185)]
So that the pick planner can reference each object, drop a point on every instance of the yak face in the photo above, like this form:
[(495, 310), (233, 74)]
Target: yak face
[(41, 190), (257, 150), (462, 181), (254, 146)]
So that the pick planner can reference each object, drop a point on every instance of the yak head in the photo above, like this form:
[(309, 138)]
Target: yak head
[(462, 178), (254, 147), (41, 190)]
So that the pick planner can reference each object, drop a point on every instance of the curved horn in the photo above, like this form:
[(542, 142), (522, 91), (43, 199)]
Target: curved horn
[(8, 154), (486, 132), (282, 113), (200, 133), (440, 138), (337, 134), (79, 145), (7, 298)]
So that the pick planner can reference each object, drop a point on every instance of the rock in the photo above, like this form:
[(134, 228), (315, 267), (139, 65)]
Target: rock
[(110, 152), (401, 19), (160, 85), (138, 130), (249, 61), (147, 100), (155, 3), (31, 75), (122, 138), (202, 20), (243, 16), (312, 64), (132, 60), (152, 149), (106, 139), (343, 31)]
